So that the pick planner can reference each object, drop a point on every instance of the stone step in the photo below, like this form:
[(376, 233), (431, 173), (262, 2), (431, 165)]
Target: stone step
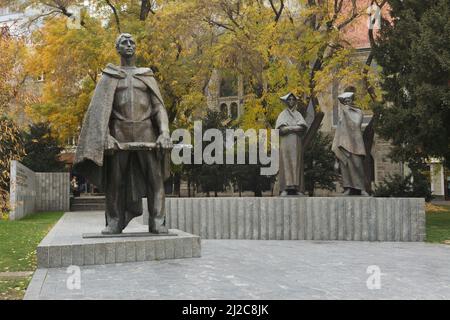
[(88, 204), (81, 200), (87, 208)]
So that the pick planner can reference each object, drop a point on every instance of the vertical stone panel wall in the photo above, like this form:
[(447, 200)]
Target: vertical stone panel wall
[(290, 218), (53, 191), (32, 192), (384, 166), (22, 194)]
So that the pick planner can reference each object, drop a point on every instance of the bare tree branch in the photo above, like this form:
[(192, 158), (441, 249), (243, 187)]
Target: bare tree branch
[(229, 12), (39, 16), (218, 24), (353, 16), (59, 7), (276, 11), (116, 15), (146, 8), (312, 21)]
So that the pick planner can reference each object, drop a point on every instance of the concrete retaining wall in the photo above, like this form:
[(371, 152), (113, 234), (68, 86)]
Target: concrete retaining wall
[(22, 193), (31, 192), (53, 192), (338, 218)]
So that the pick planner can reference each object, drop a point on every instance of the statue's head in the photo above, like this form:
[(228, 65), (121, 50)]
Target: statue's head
[(125, 45), (348, 97), (290, 100)]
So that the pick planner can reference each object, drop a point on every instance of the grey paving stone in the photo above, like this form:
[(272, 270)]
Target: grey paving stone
[(77, 255), (179, 247), (110, 253), (187, 247), (42, 256), (89, 254), (196, 247), (169, 249), (121, 252), (54, 256), (160, 250), (130, 248), (66, 256), (255, 269), (140, 251), (150, 253), (100, 253)]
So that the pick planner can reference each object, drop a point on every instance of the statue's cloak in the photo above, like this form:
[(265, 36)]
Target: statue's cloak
[(90, 154), (291, 173), (348, 137), (348, 146)]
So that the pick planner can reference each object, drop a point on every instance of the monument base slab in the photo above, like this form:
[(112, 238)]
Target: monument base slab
[(64, 245)]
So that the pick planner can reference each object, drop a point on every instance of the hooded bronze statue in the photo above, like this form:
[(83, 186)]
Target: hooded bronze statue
[(348, 146), (292, 128), (126, 108)]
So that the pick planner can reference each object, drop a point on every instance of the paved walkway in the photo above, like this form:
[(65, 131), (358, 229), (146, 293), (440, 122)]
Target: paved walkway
[(245, 269)]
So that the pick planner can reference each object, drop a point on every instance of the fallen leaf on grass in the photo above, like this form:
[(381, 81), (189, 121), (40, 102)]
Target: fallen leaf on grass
[(431, 208)]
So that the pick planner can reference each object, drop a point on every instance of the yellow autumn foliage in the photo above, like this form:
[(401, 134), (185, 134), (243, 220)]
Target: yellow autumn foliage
[(274, 48)]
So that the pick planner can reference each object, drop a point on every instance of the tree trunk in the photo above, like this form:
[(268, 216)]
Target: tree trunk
[(189, 186)]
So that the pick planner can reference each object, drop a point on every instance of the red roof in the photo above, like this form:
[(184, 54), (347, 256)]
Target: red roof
[(357, 32), (67, 158)]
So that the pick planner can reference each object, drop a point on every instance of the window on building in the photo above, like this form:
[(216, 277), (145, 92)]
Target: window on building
[(40, 78), (228, 84), (72, 141), (224, 109), (234, 111)]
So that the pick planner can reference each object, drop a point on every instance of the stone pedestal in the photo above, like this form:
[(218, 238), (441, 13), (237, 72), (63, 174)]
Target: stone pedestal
[(294, 218), (64, 245)]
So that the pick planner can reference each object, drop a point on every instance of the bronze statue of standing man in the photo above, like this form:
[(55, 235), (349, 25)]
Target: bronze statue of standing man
[(126, 109), (292, 127), (348, 145)]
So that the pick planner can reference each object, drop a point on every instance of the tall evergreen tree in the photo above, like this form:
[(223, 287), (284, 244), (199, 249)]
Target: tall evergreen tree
[(413, 50), (41, 149), (210, 178)]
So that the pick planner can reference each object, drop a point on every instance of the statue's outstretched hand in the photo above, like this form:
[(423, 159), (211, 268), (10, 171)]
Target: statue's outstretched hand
[(164, 141)]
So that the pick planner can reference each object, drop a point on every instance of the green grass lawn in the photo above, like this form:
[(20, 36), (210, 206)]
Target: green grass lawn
[(19, 239), (13, 289), (18, 242), (438, 226)]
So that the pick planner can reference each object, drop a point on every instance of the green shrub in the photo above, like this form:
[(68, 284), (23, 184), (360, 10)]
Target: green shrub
[(410, 186)]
